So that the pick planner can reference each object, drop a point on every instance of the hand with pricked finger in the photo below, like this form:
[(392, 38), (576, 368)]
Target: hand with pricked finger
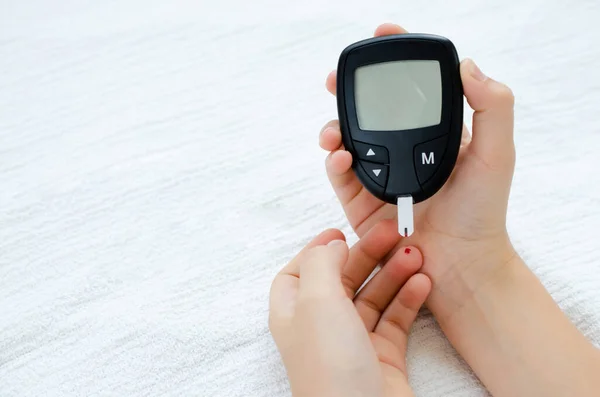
[(465, 222), (336, 340)]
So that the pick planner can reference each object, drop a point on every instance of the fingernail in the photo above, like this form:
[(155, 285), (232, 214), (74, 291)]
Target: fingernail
[(407, 251), (334, 243), (476, 72)]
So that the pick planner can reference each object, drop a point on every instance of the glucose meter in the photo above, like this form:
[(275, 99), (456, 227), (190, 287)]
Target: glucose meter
[(400, 107)]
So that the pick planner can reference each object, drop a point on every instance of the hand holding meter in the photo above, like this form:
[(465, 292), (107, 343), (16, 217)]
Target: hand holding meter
[(400, 106)]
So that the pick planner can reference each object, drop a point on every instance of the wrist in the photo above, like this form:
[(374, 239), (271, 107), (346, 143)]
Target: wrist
[(506, 326), (457, 283)]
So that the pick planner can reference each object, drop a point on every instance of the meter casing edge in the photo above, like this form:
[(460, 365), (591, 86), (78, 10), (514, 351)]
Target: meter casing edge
[(401, 145)]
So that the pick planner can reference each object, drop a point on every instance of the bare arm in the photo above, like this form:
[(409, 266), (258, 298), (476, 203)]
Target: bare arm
[(506, 325)]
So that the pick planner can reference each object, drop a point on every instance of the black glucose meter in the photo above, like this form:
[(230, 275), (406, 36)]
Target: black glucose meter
[(400, 107)]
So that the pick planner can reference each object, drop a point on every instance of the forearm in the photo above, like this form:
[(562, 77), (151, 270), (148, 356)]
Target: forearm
[(514, 336)]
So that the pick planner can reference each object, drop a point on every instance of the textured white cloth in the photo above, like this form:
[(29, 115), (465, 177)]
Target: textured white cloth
[(159, 163)]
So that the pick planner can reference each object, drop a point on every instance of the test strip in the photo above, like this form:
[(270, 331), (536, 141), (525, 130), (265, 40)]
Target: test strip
[(405, 216)]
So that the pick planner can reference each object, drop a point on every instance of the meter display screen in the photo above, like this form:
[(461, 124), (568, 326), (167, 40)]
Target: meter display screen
[(398, 95)]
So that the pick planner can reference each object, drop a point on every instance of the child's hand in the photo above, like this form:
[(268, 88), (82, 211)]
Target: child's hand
[(461, 229), (334, 343)]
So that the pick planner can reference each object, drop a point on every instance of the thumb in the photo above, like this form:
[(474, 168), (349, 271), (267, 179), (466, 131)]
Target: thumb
[(493, 117), (321, 269)]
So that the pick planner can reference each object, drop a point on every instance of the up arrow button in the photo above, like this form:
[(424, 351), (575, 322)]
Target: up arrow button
[(371, 153)]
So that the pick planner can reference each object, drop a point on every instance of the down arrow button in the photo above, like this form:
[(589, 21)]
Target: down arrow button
[(377, 172)]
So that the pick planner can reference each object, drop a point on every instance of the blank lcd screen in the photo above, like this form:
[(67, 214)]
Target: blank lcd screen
[(398, 95)]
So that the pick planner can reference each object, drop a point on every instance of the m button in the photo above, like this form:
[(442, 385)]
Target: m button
[(428, 157)]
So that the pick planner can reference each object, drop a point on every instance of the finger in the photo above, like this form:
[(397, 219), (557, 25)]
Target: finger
[(284, 288), (320, 270), (324, 238), (367, 253), (331, 82), (382, 30), (393, 367), (365, 210), (373, 299), (387, 29), (339, 162), (343, 179), (359, 204), (398, 317), (362, 209), (330, 137), (493, 116)]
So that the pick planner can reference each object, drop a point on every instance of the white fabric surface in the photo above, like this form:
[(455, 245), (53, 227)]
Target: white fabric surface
[(159, 163)]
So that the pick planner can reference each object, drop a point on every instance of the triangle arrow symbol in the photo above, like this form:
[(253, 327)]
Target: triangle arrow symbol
[(377, 171), (370, 152)]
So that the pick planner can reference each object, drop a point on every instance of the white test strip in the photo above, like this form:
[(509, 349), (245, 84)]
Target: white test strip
[(406, 225)]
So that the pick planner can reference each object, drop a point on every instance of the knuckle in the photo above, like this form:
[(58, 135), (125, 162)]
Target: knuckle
[(319, 253), (314, 254), (369, 303), (310, 302), (328, 160), (398, 324), (348, 283), (313, 257), (505, 95)]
